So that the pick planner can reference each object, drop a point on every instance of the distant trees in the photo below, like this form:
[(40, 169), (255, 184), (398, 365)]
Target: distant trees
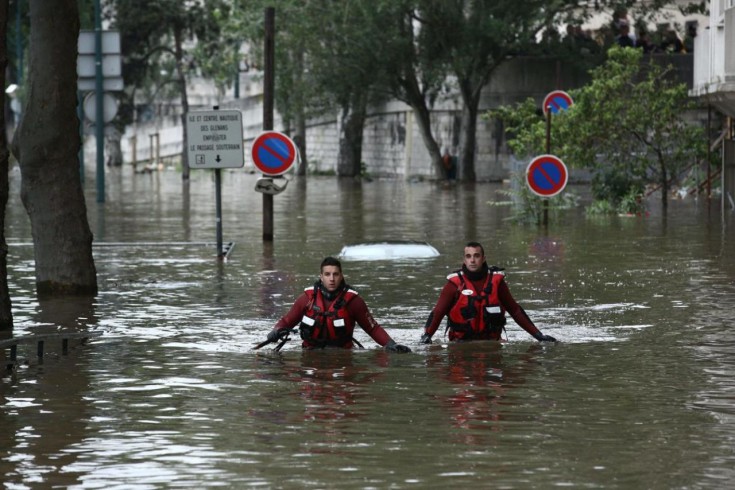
[(155, 61), (342, 56)]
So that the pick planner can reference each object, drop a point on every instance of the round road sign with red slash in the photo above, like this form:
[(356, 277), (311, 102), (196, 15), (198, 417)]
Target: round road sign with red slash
[(273, 153), (546, 175), (556, 102)]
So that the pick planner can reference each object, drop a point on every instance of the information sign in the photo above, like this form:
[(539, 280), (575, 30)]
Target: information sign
[(214, 139)]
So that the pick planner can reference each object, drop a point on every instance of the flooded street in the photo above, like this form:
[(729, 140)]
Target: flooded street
[(639, 393)]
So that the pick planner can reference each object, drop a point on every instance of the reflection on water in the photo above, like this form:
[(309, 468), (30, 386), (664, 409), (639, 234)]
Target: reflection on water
[(637, 395)]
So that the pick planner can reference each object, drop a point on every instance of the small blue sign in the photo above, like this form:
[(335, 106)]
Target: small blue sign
[(546, 175), (557, 101), (273, 153)]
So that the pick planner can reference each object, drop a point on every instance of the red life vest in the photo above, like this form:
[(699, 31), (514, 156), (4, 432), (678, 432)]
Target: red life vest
[(323, 326), (476, 315)]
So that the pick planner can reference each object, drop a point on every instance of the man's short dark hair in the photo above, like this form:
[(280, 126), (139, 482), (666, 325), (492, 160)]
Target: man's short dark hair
[(331, 261), (474, 245)]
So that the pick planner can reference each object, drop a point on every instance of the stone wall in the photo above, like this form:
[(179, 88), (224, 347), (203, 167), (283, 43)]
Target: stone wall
[(392, 144)]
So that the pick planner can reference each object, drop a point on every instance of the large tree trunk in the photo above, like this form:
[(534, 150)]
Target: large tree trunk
[(299, 139), (47, 146), (300, 134), (6, 316), (352, 124), (178, 40), (423, 118), (468, 135), (470, 88), (664, 181)]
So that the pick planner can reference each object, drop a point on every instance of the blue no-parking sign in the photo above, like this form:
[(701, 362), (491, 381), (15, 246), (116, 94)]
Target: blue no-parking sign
[(556, 102), (546, 175), (273, 153)]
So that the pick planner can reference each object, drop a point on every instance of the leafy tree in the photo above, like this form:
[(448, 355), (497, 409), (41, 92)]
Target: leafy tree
[(153, 37), (326, 61), (414, 64), (47, 145), (6, 315), (346, 69), (475, 37), (296, 96), (628, 125), (468, 40)]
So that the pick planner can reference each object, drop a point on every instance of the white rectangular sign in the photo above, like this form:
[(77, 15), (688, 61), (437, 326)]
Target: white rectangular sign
[(214, 139)]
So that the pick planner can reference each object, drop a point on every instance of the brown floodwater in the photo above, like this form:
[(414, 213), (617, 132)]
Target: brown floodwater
[(639, 393)]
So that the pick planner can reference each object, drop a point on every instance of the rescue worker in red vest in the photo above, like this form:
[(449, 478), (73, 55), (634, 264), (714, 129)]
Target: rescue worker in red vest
[(475, 300), (326, 314)]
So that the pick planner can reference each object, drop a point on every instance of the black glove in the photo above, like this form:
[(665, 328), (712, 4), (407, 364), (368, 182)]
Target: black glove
[(545, 338), (425, 339), (274, 335), (391, 346)]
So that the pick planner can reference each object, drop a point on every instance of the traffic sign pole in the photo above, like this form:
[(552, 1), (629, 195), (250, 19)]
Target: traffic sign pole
[(218, 210), (555, 102), (548, 152), (214, 141), (268, 99), (99, 124)]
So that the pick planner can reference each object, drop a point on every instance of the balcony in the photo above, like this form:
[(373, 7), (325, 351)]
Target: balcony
[(714, 59)]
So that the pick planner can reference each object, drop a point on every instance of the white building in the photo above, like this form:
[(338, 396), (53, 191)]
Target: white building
[(714, 82), (714, 58)]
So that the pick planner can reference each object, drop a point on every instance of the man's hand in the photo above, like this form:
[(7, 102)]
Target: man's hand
[(425, 339), (275, 334), (391, 346), (545, 338)]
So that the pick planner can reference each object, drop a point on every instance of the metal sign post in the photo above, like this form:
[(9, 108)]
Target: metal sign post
[(214, 141), (555, 102), (269, 70), (99, 69)]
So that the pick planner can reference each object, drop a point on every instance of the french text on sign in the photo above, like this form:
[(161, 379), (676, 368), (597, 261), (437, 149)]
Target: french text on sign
[(274, 153), (546, 175), (214, 139), (556, 102)]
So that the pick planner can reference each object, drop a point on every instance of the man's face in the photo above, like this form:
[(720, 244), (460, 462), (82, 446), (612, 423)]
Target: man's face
[(331, 277), (473, 258)]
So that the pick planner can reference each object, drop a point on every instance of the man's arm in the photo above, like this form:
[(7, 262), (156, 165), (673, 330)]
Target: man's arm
[(519, 314), (446, 300), (359, 311), (294, 315)]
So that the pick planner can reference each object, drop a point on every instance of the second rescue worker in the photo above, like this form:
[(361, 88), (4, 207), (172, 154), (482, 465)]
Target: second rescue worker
[(474, 300)]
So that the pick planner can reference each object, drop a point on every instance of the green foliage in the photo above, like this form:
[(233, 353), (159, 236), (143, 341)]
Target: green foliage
[(152, 32), (525, 127), (528, 207), (627, 126)]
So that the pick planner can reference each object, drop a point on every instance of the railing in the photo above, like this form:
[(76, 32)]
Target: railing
[(40, 341)]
